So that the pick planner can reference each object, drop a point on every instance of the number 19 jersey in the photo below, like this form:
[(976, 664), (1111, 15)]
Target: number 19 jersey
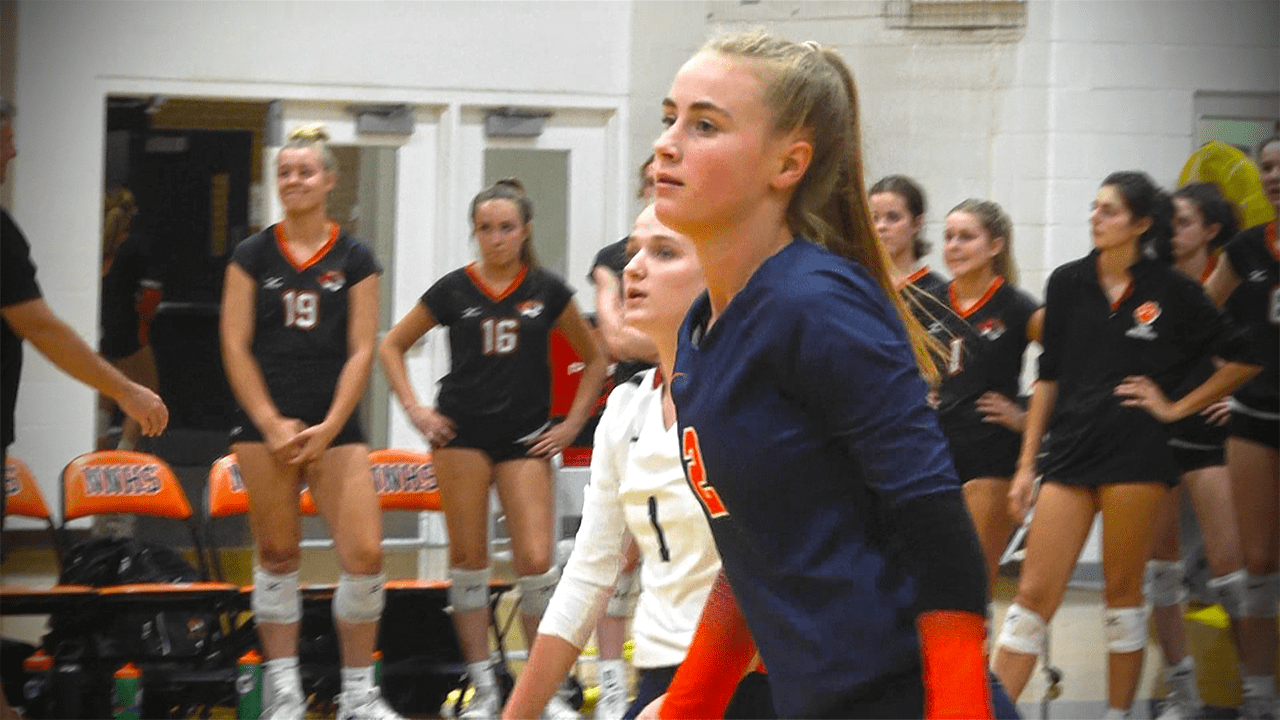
[(302, 305), (498, 343)]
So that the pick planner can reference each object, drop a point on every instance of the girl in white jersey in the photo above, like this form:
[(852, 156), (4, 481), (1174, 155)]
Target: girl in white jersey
[(638, 485)]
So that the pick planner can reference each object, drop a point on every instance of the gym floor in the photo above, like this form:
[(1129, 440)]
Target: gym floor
[(1076, 644)]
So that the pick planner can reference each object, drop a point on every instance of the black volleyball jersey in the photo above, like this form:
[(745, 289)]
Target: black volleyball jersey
[(302, 305), (498, 343), (984, 350), (1162, 327), (1255, 304)]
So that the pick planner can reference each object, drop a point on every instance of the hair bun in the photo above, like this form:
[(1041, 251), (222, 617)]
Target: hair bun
[(314, 132), (513, 183)]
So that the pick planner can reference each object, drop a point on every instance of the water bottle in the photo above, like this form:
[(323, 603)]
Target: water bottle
[(37, 691), (127, 697), (249, 685)]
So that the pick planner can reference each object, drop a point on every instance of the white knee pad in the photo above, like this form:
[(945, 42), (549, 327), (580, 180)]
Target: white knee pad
[(275, 598), (469, 589), (1023, 631), (536, 591), (1261, 593), (1163, 583), (622, 604), (1228, 591), (360, 598), (1126, 629)]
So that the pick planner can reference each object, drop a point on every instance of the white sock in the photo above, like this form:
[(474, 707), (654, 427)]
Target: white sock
[(612, 673), (1116, 714), (1259, 686), (482, 676), (357, 681), (283, 676)]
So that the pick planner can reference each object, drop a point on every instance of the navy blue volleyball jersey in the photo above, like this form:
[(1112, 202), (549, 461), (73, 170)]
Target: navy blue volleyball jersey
[(302, 305), (498, 344), (1255, 257), (984, 347), (1163, 327), (803, 419)]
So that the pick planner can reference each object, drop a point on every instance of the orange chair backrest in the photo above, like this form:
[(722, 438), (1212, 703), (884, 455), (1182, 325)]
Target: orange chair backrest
[(405, 480), (22, 492), (122, 481), (227, 494)]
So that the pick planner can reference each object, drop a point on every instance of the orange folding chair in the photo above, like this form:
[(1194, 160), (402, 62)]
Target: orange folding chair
[(25, 499)]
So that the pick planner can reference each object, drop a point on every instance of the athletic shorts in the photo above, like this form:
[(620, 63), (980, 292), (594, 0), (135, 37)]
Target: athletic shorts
[(305, 395), (1197, 458), (500, 441), (986, 455), (1259, 430)]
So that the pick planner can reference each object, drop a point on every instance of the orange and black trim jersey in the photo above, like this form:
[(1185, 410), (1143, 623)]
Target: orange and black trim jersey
[(1255, 257), (984, 344), (302, 304), (498, 343)]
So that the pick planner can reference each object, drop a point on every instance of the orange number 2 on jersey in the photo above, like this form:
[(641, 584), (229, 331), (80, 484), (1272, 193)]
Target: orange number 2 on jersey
[(698, 474)]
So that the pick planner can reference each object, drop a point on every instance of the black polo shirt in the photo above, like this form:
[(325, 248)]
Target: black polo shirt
[(1162, 327), (17, 284)]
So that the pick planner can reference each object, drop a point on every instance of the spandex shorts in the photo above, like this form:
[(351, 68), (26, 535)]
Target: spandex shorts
[(500, 441), (1259, 430)]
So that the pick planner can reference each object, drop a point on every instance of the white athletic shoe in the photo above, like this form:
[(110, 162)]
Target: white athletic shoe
[(483, 704), (1259, 708), (558, 708), (285, 707), (369, 707), (1183, 700), (611, 706)]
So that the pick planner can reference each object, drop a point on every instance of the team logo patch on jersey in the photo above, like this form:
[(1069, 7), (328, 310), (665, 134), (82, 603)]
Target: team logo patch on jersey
[(273, 283), (332, 280), (1144, 315), (1258, 276), (992, 328), (470, 312), (530, 308)]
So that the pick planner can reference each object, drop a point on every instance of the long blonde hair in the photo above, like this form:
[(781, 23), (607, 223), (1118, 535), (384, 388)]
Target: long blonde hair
[(808, 86)]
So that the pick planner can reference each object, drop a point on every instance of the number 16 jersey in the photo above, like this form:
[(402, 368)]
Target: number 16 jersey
[(498, 343)]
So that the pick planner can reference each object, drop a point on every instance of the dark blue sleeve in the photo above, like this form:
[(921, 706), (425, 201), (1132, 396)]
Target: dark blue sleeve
[(848, 358)]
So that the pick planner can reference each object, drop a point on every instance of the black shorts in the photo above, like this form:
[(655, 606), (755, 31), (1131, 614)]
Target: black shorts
[(989, 454), (499, 440), (305, 395), (1191, 457), (1259, 430)]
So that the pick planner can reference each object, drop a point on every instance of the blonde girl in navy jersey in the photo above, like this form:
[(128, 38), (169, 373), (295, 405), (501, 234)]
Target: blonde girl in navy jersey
[(1203, 221), (490, 424), (1121, 330), (986, 327), (638, 488), (1247, 280), (849, 556), (299, 323)]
